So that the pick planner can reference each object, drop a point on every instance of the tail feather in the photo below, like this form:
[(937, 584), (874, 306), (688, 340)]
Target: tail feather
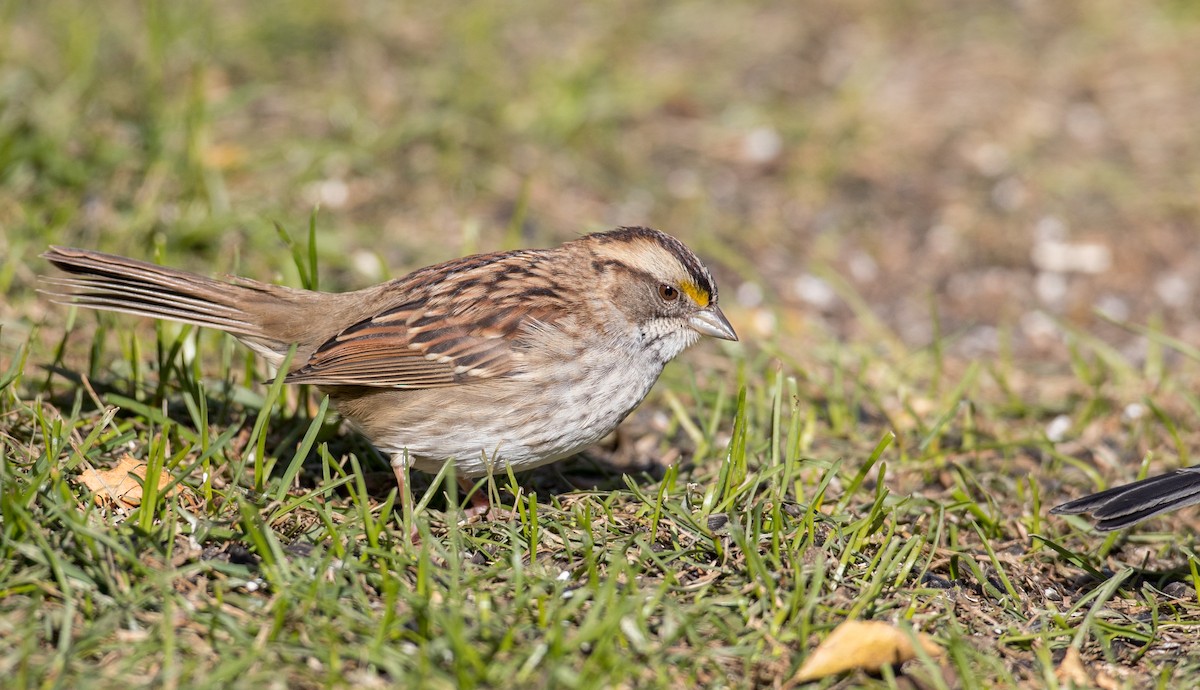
[(267, 318), (1123, 506), (114, 283), (131, 298)]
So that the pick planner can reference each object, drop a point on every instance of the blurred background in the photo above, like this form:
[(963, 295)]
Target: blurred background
[(994, 170)]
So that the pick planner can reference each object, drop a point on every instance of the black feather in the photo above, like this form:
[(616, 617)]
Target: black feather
[(1127, 505)]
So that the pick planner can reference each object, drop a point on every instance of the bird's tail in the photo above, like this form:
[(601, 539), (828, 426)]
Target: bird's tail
[(1123, 506), (245, 308)]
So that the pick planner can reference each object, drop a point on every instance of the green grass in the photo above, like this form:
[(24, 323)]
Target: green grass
[(286, 566), (882, 454)]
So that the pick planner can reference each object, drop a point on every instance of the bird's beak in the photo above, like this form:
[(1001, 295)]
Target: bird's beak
[(712, 322)]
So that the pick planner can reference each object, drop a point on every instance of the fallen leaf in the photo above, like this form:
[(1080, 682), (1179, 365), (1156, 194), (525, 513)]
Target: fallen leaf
[(1107, 682), (866, 645), (1071, 671), (121, 486), (223, 156)]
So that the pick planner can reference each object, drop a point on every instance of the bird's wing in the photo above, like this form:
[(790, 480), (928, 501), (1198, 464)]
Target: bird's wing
[(465, 321)]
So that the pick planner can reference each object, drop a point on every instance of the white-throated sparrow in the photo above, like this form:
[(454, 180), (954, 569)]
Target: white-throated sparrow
[(513, 358)]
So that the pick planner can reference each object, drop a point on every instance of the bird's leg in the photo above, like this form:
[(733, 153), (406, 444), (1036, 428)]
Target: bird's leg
[(480, 505), (400, 468)]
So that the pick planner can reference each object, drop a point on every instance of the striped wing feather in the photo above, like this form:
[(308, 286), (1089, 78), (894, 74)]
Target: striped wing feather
[(443, 338)]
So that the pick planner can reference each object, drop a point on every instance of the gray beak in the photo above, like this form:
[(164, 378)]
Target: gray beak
[(712, 322)]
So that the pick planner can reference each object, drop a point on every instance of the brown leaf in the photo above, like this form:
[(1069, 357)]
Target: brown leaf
[(1071, 671), (223, 156), (867, 645), (1107, 682), (121, 486)]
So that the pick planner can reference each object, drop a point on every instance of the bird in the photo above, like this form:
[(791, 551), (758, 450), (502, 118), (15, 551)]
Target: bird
[(505, 359), (1126, 505)]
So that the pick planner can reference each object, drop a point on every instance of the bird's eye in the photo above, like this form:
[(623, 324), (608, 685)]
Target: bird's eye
[(668, 293)]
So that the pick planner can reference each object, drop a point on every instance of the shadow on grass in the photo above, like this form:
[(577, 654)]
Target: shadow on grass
[(596, 469)]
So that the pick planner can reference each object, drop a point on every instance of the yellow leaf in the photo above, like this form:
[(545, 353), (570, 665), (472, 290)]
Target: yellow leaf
[(1071, 671), (223, 156), (121, 485), (866, 645)]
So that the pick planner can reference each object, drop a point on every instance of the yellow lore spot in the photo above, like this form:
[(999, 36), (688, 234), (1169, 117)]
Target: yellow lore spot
[(694, 291)]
